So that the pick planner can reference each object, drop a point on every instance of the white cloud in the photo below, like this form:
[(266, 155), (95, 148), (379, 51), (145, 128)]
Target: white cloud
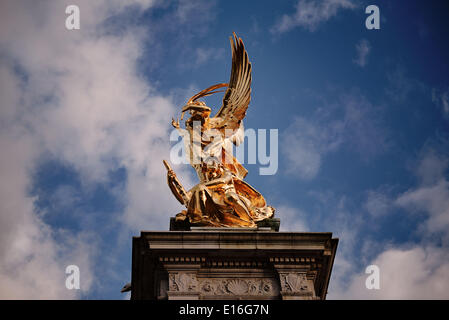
[(431, 196), (292, 219), (310, 14), (306, 142), (377, 203), (363, 49), (414, 273), (434, 201), (431, 167), (350, 120), (417, 270), (77, 96)]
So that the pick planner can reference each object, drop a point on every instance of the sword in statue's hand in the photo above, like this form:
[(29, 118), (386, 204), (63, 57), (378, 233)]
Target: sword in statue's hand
[(175, 186)]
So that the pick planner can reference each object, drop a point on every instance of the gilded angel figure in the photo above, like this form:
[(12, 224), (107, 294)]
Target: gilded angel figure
[(222, 198)]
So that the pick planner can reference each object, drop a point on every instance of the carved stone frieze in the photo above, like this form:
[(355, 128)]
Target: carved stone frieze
[(182, 282), (239, 287), (294, 282), (231, 264)]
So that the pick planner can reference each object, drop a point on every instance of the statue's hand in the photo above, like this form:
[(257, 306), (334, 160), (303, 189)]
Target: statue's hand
[(174, 123), (171, 174)]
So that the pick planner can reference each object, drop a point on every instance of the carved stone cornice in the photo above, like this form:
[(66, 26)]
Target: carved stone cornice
[(232, 264)]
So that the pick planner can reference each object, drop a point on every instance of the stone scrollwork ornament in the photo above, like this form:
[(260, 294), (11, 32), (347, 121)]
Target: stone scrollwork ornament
[(294, 282), (238, 287), (182, 282)]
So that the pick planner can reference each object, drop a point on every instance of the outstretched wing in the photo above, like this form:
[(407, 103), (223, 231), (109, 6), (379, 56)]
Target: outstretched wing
[(238, 94)]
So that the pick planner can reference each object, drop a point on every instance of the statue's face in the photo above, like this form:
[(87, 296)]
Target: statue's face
[(196, 115), (199, 114), (206, 114)]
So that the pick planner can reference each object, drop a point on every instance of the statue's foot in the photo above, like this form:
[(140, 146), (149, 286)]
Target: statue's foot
[(182, 216)]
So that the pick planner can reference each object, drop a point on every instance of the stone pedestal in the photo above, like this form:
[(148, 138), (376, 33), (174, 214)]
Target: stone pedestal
[(228, 263)]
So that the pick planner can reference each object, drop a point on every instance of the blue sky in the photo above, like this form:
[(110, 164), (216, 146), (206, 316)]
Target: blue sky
[(362, 115)]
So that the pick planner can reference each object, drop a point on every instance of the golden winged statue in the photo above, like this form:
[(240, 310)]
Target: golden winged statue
[(221, 198)]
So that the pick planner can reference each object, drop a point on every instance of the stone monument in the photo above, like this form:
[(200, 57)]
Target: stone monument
[(226, 244)]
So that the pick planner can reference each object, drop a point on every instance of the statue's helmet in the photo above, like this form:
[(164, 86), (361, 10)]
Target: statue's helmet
[(194, 104), (199, 106)]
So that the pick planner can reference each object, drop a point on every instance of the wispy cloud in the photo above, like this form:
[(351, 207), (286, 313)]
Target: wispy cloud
[(204, 55), (75, 96), (292, 219), (350, 121), (337, 212), (187, 11), (305, 143), (441, 100), (377, 203), (363, 49), (431, 196), (401, 85), (310, 14)]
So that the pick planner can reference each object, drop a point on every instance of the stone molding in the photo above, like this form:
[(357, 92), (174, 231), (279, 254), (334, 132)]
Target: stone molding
[(238, 287), (188, 284), (232, 264)]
